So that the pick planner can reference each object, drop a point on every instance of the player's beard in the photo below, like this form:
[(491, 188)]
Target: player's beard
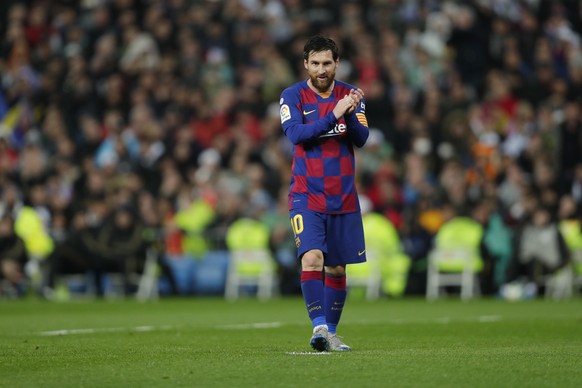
[(322, 85)]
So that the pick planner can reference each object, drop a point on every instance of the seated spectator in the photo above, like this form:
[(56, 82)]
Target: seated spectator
[(125, 248), (81, 250), (13, 258), (539, 251)]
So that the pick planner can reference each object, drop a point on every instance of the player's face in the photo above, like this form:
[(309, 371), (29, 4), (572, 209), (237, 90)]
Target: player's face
[(321, 69)]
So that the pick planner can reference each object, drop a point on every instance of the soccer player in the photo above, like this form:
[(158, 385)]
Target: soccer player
[(324, 118)]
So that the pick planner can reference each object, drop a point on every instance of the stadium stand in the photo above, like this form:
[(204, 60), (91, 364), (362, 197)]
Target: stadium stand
[(172, 107)]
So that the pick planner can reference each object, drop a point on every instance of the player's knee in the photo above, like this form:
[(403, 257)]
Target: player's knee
[(312, 260), (338, 270)]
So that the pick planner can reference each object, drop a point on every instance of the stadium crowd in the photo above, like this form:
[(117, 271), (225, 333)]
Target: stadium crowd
[(127, 121)]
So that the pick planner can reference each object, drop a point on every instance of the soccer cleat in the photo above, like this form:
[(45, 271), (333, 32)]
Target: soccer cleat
[(336, 344), (319, 339)]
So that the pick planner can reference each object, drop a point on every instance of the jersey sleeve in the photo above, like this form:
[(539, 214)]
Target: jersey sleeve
[(292, 119), (357, 124)]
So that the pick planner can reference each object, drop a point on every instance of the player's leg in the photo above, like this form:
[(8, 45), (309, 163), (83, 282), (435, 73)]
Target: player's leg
[(335, 295), (309, 231), (313, 294), (312, 285), (346, 233)]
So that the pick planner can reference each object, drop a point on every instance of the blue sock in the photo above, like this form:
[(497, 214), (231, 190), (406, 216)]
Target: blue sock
[(312, 289), (335, 297)]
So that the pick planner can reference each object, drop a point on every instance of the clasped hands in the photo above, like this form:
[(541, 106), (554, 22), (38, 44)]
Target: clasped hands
[(349, 103)]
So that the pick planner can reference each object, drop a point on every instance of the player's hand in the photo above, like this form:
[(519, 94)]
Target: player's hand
[(356, 95), (344, 105)]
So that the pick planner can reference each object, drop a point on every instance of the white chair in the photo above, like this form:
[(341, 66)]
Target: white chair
[(367, 275), (559, 285), (466, 279), (147, 283), (454, 259), (251, 263), (386, 268), (250, 268)]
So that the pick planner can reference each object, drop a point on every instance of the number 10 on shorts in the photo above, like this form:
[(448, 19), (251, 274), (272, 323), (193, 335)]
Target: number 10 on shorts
[(297, 224)]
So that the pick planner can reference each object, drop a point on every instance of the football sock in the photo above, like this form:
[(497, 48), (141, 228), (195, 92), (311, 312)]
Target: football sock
[(312, 289), (335, 296)]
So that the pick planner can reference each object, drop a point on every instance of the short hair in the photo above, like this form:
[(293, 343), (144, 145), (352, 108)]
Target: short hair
[(319, 43)]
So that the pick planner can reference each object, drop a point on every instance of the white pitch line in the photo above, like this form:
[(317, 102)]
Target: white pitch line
[(248, 326), (398, 321), (489, 318), (268, 325), (430, 321), (308, 353), (104, 330)]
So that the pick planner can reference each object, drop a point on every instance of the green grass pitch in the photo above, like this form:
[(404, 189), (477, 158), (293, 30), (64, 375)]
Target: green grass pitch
[(213, 343)]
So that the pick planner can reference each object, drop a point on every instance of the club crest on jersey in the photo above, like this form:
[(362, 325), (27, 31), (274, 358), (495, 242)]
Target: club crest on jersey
[(285, 113), (338, 130)]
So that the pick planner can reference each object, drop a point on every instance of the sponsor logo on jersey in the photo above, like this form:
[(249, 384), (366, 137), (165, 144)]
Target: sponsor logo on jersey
[(285, 113), (338, 130)]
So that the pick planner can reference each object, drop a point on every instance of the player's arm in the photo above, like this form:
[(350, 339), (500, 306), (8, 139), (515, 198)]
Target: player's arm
[(292, 120), (358, 125)]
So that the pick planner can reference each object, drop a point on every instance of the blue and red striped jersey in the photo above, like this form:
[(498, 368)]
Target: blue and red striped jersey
[(322, 177)]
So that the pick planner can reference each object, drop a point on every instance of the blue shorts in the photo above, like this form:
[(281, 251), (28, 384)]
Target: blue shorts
[(339, 236)]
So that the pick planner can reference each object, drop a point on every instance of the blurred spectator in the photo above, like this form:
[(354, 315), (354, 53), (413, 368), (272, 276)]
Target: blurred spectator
[(468, 40), (282, 245), (81, 251), (13, 258), (177, 99), (540, 250), (569, 144), (123, 235)]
